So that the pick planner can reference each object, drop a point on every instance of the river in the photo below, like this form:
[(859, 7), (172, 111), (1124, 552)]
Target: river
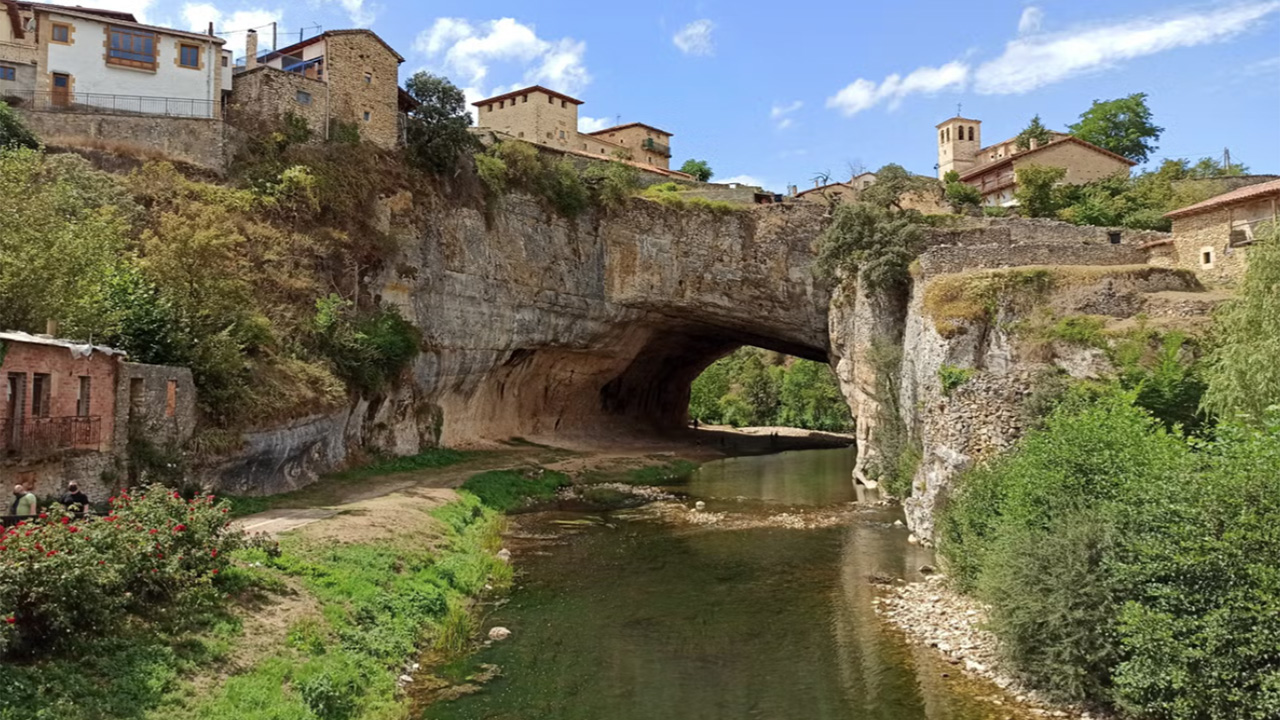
[(645, 619)]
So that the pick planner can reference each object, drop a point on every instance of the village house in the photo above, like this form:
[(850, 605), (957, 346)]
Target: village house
[(55, 57), (545, 117), (348, 77), (67, 408), (993, 169), (1213, 237)]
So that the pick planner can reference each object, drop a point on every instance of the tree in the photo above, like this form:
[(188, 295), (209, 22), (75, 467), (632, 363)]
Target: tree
[(1243, 375), (13, 132), (893, 183), (873, 244), (962, 196), (1122, 126), (699, 169), (1034, 132), (1037, 190), (437, 127)]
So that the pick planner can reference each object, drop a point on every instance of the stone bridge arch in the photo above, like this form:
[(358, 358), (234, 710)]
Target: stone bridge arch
[(535, 326)]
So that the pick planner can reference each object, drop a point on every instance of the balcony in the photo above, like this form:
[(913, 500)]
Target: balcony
[(35, 438), (654, 146)]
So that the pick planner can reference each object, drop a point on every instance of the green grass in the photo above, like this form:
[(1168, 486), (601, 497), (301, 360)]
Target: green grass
[(663, 474), (505, 490), (429, 459)]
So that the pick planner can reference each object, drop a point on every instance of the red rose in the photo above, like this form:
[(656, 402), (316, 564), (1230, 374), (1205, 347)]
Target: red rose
[(51, 553), (154, 531), (179, 528), (65, 520), (11, 620), (44, 516), (215, 571), (73, 529), (213, 553), (176, 495)]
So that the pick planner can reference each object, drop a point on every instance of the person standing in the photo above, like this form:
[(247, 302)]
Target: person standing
[(75, 500), (24, 503)]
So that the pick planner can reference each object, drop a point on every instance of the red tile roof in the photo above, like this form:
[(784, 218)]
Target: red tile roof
[(525, 91), (1249, 192)]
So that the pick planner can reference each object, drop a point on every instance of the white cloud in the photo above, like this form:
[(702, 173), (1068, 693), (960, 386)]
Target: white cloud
[(197, 16), (742, 180), (1263, 67), (1038, 60), (863, 94), (590, 124), (695, 38), (779, 113), (1031, 19), (362, 14), (468, 52)]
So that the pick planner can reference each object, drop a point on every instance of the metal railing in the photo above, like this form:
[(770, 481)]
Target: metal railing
[(654, 146), (41, 437), (68, 101)]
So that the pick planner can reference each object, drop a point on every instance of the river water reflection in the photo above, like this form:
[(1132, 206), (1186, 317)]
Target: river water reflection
[(644, 620)]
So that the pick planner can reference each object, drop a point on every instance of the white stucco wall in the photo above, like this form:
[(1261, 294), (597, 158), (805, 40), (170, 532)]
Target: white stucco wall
[(85, 62), (229, 71)]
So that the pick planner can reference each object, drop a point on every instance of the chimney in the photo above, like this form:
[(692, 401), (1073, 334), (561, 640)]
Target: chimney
[(210, 28), (251, 50), (51, 327)]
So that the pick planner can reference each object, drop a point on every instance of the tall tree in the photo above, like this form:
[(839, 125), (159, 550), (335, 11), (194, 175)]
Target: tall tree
[(1122, 125), (699, 169), (1037, 190), (893, 183), (1036, 132), (1244, 378), (437, 128)]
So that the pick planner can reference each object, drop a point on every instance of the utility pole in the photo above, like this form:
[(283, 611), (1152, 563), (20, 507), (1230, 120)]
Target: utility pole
[(273, 36), (1226, 160)]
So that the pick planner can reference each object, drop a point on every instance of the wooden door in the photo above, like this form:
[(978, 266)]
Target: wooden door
[(61, 89)]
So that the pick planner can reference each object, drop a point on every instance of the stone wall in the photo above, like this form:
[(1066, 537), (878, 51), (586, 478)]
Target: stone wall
[(363, 76), (159, 400), (1008, 243), (195, 141), (1202, 242), (270, 93)]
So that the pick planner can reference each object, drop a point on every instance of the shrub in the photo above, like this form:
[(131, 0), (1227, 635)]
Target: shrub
[(62, 576), (493, 174), (1201, 626), (699, 169), (368, 350), (1037, 190), (436, 129), (993, 211), (870, 243), (612, 183), (952, 377), (13, 132)]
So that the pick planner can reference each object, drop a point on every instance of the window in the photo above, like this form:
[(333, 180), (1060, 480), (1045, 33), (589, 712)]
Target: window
[(1114, 237), (502, 104), (524, 98), (189, 56), (40, 395), (133, 48), (368, 78), (942, 137), (561, 134), (304, 97), (61, 33), (564, 104), (551, 100), (1206, 258), (368, 116), (970, 132), (82, 396), (8, 73), (224, 61), (520, 134)]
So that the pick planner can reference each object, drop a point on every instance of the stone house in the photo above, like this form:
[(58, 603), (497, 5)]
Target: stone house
[(993, 169), (647, 144), (350, 77), (67, 408), (55, 57), (545, 117), (1213, 237)]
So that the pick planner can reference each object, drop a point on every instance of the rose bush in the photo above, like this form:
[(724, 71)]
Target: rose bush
[(62, 576)]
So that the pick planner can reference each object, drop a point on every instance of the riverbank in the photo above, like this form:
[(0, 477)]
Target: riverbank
[(935, 617)]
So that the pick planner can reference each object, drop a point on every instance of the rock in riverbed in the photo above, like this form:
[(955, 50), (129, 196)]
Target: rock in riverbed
[(499, 633)]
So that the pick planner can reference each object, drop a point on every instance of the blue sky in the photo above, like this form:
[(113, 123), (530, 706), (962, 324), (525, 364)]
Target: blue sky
[(766, 91)]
